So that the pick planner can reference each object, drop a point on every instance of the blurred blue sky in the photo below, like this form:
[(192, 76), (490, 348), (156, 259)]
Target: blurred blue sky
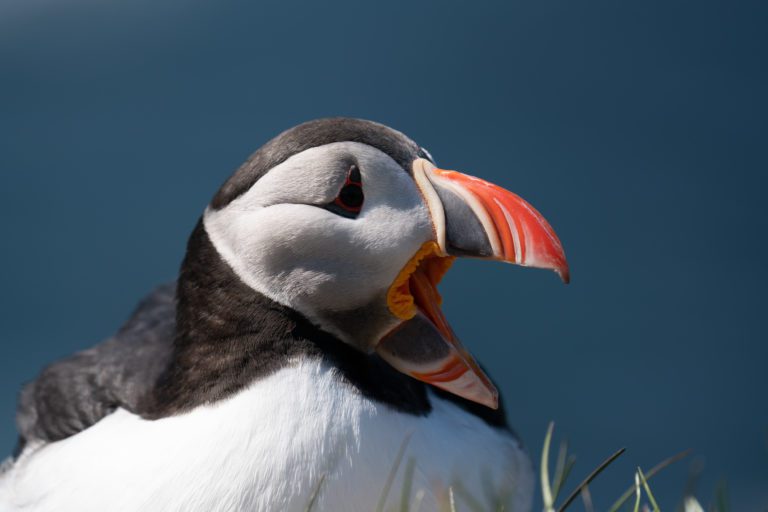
[(637, 128)]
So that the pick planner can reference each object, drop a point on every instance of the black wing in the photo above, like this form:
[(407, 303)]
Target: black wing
[(72, 394)]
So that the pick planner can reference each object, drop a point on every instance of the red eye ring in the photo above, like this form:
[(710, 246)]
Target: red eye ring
[(351, 197)]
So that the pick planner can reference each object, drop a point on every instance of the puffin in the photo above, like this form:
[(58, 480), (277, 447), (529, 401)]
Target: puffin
[(301, 360)]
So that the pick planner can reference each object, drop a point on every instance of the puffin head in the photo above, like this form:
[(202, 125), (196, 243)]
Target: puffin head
[(352, 224)]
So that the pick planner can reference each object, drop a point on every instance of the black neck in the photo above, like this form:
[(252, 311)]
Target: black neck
[(228, 335)]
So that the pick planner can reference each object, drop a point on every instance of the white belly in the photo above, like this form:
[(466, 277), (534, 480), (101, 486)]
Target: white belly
[(267, 449)]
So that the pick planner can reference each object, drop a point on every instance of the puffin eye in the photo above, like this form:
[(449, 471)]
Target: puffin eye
[(349, 202)]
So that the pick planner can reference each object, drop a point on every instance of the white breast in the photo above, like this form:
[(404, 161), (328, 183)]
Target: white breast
[(267, 449)]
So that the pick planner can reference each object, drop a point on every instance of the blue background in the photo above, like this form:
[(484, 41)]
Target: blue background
[(637, 128)]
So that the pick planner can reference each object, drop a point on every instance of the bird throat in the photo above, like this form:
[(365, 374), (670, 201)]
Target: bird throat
[(228, 336), (415, 288)]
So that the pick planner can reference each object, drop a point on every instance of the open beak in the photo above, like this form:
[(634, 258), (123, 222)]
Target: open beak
[(475, 218)]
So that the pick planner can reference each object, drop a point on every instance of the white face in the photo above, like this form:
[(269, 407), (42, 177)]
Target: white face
[(282, 242)]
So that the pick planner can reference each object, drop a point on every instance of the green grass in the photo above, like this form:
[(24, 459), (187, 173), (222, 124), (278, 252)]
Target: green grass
[(457, 499)]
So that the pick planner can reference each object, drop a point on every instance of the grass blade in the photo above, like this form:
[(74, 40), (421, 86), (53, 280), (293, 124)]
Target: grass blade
[(405, 497), (586, 497), (562, 453), (721, 497), (546, 488), (691, 505), (469, 500), (392, 474), (637, 493), (599, 469), (418, 499), (658, 467), (566, 473), (315, 493), (451, 500), (648, 490), (563, 468)]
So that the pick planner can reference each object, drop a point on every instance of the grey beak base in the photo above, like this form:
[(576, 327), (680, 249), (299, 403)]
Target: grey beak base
[(464, 233)]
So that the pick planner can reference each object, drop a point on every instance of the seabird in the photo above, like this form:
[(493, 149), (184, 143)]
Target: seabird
[(302, 356)]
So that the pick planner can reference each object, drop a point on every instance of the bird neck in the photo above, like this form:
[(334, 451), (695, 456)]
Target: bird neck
[(228, 336), (215, 306)]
